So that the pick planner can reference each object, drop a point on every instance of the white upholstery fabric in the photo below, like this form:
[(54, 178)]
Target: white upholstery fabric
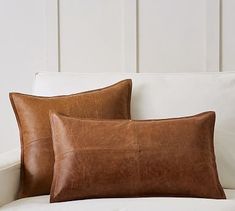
[(41, 203), (9, 176), (165, 95)]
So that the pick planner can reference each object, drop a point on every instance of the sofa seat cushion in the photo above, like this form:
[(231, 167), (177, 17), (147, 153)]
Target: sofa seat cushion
[(41, 203)]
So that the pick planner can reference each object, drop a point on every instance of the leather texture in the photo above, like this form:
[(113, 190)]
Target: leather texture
[(41, 203), (37, 157), (125, 158), (163, 95)]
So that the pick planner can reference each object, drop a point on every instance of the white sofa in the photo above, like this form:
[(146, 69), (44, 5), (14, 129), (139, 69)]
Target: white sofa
[(154, 96)]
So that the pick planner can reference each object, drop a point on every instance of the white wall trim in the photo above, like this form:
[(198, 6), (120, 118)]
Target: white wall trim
[(130, 41), (213, 35), (52, 29)]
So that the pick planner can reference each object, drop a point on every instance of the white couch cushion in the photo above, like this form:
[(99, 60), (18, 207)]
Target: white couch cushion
[(41, 203), (165, 95), (9, 175)]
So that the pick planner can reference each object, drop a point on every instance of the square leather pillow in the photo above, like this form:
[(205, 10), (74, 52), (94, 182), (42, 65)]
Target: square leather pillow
[(121, 158), (32, 113)]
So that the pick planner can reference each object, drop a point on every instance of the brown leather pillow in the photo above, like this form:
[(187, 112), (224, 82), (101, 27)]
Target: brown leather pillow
[(121, 158), (32, 113)]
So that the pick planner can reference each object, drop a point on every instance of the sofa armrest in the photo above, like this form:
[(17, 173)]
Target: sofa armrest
[(9, 176)]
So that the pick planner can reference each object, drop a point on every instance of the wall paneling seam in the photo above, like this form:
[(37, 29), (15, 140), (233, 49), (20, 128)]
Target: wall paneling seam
[(137, 36), (129, 35), (220, 35), (213, 38), (58, 36)]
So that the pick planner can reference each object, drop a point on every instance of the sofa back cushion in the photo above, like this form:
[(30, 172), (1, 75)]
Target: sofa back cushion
[(131, 158), (32, 113), (163, 95)]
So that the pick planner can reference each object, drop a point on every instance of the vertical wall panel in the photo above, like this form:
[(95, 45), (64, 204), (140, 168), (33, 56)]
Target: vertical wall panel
[(91, 35), (172, 35), (51, 23), (228, 35), (23, 51)]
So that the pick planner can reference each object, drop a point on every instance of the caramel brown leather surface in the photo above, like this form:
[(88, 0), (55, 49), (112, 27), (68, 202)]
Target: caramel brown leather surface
[(121, 158), (32, 113)]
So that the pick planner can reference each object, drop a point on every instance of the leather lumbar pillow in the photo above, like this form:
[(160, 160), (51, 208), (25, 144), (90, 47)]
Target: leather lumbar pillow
[(121, 158), (32, 113)]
